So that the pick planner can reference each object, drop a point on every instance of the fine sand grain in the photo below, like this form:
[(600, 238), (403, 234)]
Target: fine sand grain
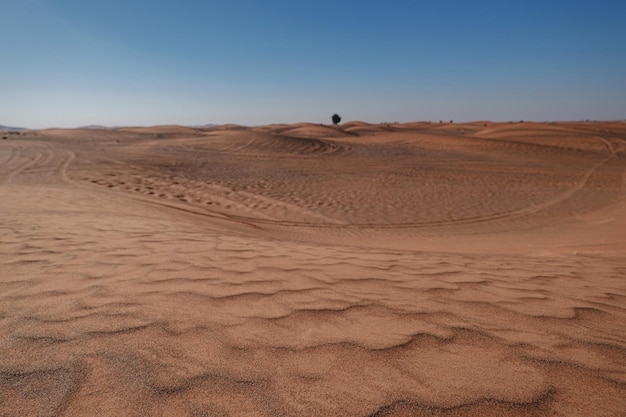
[(415, 269)]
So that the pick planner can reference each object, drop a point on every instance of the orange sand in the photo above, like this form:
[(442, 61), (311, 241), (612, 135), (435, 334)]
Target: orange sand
[(303, 270)]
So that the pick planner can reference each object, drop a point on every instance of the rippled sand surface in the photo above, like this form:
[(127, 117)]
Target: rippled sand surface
[(304, 270)]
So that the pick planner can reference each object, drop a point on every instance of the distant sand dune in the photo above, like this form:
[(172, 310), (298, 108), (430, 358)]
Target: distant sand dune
[(388, 270)]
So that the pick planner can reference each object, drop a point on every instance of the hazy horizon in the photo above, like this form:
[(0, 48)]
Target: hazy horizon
[(217, 125), (191, 63)]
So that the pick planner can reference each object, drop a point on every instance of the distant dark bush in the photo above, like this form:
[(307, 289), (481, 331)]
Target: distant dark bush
[(336, 119)]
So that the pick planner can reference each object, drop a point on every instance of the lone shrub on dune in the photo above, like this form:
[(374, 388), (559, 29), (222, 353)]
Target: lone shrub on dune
[(336, 119)]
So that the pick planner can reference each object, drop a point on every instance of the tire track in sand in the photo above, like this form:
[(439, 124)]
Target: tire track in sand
[(37, 160), (31, 160)]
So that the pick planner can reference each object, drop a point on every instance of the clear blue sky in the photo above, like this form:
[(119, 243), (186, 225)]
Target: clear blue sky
[(144, 62)]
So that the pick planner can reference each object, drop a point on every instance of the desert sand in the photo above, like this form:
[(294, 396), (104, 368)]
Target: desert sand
[(415, 269)]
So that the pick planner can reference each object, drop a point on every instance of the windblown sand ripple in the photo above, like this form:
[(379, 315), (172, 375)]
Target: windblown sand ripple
[(302, 270)]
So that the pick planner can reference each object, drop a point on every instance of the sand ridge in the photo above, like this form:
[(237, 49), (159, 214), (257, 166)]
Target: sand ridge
[(372, 270)]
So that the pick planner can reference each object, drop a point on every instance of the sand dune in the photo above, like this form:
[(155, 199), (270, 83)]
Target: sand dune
[(304, 270)]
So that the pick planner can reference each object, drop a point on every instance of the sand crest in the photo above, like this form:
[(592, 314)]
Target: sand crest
[(416, 269)]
